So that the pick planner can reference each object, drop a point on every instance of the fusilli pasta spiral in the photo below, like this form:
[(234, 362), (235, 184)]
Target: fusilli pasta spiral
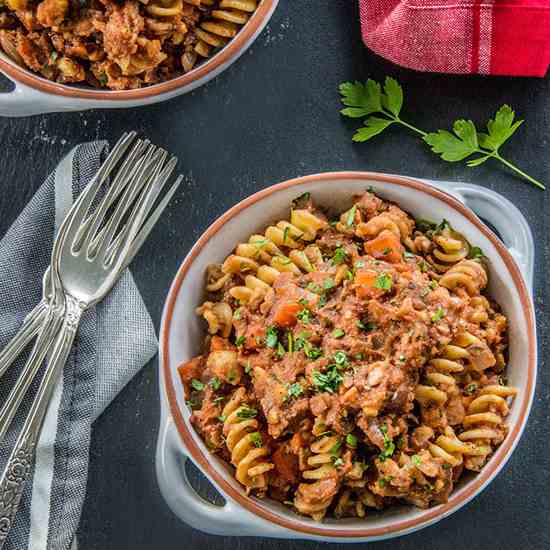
[(467, 274), (249, 455)]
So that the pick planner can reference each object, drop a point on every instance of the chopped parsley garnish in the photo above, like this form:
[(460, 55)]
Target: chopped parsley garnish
[(329, 380), (433, 284), (285, 234), (389, 445), (351, 216), (246, 412), (215, 383), (271, 337), (336, 447), (425, 225), (219, 399), (423, 266), (295, 390), (197, 385), (328, 284), (301, 201), (359, 264), (240, 341), (303, 302), (193, 403), (359, 356), (290, 339), (384, 480), (304, 316), (237, 314), (476, 253), (416, 460), (311, 351), (408, 254), (351, 441), (338, 333), (438, 315), (247, 368), (313, 287), (383, 281), (322, 301), (338, 462), (387, 251), (256, 438), (341, 359), (349, 275), (222, 418), (470, 389), (280, 350), (339, 256)]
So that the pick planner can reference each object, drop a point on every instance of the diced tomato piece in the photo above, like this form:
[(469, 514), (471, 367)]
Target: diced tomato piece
[(285, 314), (365, 281), (386, 246)]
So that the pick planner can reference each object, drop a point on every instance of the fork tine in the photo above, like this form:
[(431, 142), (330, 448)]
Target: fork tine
[(151, 221), (88, 229), (140, 179), (140, 211), (81, 206)]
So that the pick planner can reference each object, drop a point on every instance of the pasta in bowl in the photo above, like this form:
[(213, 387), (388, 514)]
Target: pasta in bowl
[(355, 361)]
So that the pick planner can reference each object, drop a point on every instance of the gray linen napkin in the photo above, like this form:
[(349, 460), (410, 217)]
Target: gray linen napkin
[(114, 341)]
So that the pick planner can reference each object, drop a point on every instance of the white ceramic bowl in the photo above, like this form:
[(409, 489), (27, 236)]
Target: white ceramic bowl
[(182, 335), (36, 95)]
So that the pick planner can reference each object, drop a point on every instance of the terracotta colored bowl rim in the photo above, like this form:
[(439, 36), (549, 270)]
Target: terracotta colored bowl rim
[(233, 48), (423, 517)]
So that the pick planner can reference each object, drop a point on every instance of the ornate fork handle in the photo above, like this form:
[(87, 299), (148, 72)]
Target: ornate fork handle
[(21, 459), (29, 329)]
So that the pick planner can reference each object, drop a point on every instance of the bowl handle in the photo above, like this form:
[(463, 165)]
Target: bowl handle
[(492, 207), (499, 212), (228, 520), (25, 101)]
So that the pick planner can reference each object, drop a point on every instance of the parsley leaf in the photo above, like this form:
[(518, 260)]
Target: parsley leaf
[(304, 316), (338, 333), (476, 253), (438, 315), (280, 350), (339, 256), (351, 441), (311, 351), (341, 359), (197, 385), (215, 383), (295, 390), (416, 460), (372, 127), (328, 284), (240, 341), (500, 129), (271, 337), (351, 216), (327, 381), (456, 147), (393, 97), (245, 412), (389, 445), (256, 438), (383, 281), (363, 100)]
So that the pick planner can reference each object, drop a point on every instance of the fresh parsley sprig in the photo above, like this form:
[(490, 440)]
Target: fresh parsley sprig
[(364, 100)]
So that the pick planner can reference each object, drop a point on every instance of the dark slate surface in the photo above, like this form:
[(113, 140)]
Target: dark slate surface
[(272, 116)]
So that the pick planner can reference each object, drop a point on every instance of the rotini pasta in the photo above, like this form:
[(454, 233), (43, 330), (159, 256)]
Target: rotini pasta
[(342, 370), (249, 455), (118, 45)]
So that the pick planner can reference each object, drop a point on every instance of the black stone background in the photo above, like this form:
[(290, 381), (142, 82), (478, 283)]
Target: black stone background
[(272, 116)]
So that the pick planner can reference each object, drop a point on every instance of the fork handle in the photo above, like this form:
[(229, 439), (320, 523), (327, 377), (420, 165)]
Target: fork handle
[(28, 330), (21, 459)]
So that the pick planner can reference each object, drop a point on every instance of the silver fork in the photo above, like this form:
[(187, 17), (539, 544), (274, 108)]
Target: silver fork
[(90, 254)]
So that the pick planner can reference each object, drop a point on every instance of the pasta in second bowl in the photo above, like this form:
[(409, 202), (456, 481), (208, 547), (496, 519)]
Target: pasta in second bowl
[(316, 407)]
